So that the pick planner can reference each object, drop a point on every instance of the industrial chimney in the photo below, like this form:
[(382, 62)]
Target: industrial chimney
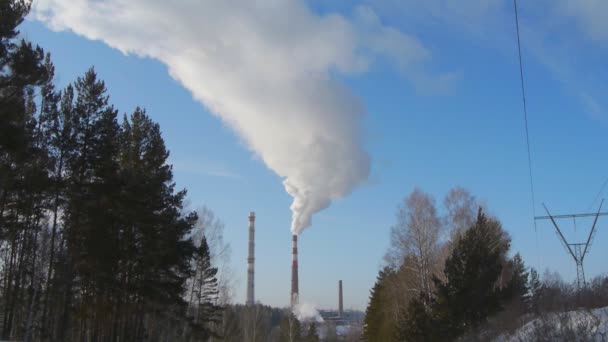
[(250, 259), (340, 303), (294, 273)]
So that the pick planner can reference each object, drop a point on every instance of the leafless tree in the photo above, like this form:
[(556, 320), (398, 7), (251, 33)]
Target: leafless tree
[(461, 210), (255, 323), (213, 229), (416, 235), (354, 332)]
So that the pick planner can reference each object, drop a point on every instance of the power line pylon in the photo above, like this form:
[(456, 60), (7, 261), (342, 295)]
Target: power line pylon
[(578, 251)]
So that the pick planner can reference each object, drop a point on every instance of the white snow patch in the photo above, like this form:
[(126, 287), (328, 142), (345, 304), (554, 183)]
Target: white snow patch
[(593, 323)]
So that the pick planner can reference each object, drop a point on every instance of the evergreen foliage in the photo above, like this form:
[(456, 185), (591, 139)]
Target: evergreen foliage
[(94, 239), (312, 335), (204, 292), (469, 295), (378, 325), (417, 323), (536, 291), (291, 329), (518, 289)]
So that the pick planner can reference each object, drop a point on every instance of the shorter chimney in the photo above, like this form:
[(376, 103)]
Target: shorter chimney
[(340, 303), (250, 261)]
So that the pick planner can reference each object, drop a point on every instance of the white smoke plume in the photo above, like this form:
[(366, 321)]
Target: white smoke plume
[(266, 68), (307, 312)]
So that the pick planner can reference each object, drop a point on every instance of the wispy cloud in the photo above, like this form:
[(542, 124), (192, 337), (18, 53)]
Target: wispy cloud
[(589, 15), (558, 34), (564, 56)]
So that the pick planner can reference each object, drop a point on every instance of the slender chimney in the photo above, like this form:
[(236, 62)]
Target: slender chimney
[(340, 303), (294, 273), (250, 260)]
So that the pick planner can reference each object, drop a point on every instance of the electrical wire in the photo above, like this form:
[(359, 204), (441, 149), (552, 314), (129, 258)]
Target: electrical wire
[(525, 108), (599, 193)]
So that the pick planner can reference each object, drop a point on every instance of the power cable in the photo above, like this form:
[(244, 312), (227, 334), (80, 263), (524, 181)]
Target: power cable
[(523, 97), (599, 193)]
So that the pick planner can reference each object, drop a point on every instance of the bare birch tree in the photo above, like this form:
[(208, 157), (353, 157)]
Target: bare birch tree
[(416, 236), (461, 210), (212, 228)]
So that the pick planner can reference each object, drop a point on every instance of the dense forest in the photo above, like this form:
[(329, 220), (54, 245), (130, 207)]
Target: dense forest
[(450, 278), (95, 244)]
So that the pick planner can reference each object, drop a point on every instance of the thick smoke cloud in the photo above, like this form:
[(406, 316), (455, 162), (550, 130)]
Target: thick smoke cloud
[(266, 69)]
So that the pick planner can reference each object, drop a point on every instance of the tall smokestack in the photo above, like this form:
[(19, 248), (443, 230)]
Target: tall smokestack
[(340, 303), (250, 260), (294, 273)]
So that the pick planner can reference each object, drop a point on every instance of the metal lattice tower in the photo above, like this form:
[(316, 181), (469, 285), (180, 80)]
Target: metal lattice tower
[(578, 251), (580, 270)]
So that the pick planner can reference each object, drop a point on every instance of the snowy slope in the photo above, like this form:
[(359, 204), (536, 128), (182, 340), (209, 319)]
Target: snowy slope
[(580, 325)]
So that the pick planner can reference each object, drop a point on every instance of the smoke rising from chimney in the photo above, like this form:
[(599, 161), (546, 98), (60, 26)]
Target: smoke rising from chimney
[(266, 69)]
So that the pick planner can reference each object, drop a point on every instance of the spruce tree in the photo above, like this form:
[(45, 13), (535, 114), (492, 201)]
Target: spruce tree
[(536, 291), (417, 322), (469, 294), (378, 326), (518, 288), (204, 293)]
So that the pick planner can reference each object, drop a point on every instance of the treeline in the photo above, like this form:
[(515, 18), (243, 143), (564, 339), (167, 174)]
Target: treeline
[(261, 323), (94, 242), (449, 277), (445, 275), (560, 312)]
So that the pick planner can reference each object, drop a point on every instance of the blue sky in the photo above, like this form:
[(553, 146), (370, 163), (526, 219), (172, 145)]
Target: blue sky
[(452, 118)]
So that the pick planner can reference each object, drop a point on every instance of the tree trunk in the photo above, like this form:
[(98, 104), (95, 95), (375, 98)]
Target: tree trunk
[(52, 246)]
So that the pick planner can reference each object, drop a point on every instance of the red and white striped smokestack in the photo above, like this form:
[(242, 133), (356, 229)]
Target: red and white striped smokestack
[(294, 273)]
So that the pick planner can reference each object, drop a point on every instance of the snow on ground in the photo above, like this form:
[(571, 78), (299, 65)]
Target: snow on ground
[(582, 325)]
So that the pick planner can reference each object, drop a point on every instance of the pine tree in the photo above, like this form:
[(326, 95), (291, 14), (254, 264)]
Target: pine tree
[(91, 207), (57, 112), (156, 257), (23, 176), (20, 69), (469, 295), (95, 240)]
